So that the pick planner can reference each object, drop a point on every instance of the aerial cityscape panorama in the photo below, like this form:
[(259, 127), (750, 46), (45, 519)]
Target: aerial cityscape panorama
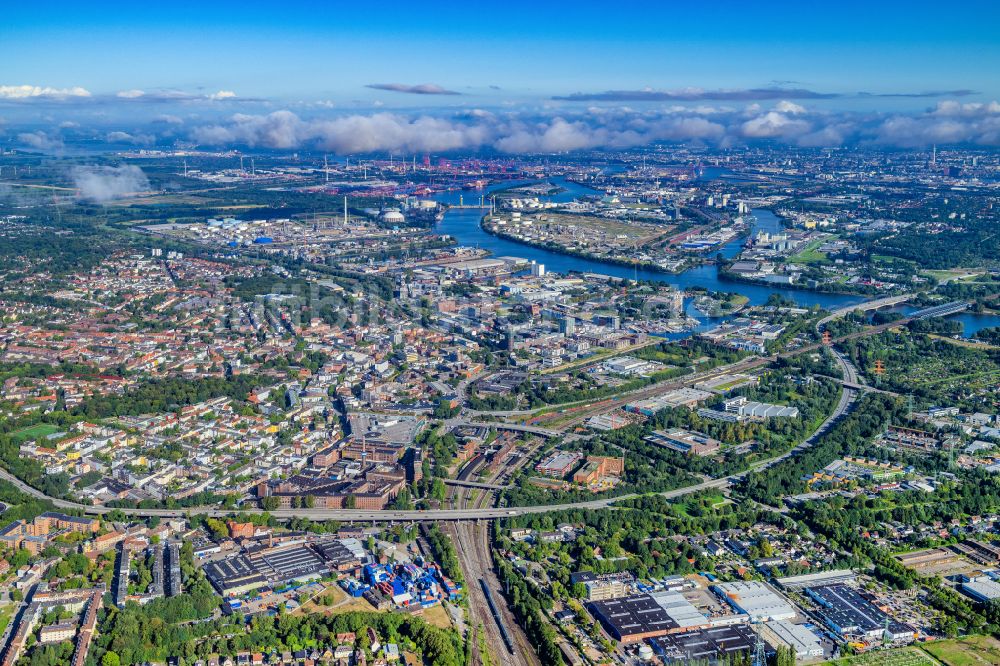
[(500, 334)]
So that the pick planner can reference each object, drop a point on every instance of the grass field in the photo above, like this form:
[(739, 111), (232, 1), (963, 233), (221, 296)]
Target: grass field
[(437, 616), (953, 274), (810, 253), (907, 656), (970, 651), (341, 603), (963, 342), (6, 612), (708, 501), (34, 432)]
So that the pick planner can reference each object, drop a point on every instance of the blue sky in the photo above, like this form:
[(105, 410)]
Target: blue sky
[(516, 76), (529, 50)]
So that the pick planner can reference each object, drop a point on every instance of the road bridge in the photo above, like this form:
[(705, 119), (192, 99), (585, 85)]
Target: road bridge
[(513, 427), (472, 484), (866, 306)]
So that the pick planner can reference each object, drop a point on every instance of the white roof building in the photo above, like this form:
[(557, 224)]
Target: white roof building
[(755, 599)]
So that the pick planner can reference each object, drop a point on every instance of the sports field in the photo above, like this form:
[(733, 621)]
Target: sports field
[(34, 432)]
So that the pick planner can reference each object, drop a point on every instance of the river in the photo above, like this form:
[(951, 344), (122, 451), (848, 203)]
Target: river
[(463, 225)]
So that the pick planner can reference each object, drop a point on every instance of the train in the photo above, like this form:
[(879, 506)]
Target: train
[(508, 641)]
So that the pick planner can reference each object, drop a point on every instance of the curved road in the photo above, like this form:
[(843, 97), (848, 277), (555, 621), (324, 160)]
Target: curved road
[(365, 515), (846, 400)]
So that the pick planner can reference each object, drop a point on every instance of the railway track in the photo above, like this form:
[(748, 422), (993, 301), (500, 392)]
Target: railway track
[(504, 639)]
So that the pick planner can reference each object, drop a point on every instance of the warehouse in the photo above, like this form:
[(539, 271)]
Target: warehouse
[(682, 397), (679, 609), (846, 612), (982, 588), (706, 645), (339, 557), (632, 619), (798, 637), (290, 563), (234, 576), (559, 464), (684, 441), (758, 410), (757, 600), (817, 579)]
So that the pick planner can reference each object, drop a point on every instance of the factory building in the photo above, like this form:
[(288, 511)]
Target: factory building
[(756, 600), (847, 613)]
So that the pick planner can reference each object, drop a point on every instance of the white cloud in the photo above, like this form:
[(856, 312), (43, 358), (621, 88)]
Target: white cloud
[(100, 184), (772, 125), (608, 127), (222, 94), (784, 106), (125, 137), (168, 119), (41, 141), (130, 94), (27, 92)]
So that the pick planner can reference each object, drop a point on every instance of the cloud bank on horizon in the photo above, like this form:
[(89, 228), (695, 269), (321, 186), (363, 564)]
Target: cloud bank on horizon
[(721, 118), (785, 122), (28, 94), (740, 95)]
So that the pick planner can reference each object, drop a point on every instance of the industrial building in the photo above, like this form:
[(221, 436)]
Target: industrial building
[(296, 563), (682, 397), (680, 610), (756, 600), (817, 579), (982, 588), (265, 566), (234, 576), (798, 637), (684, 441), (705, 645), (559, 464), (643, 616), (632, 619), (601, 587), (846, 612), (758, 410)]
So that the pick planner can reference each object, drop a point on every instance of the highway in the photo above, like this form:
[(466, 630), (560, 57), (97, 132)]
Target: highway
[(472, 484), (515, 427), (851, 382), (368, 515), (492, 513)]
